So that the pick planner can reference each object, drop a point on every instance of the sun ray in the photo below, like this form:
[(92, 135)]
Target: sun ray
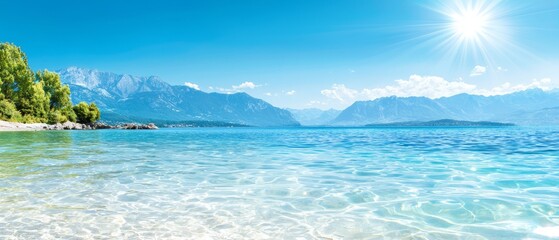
[(470, 31), (462, 34)]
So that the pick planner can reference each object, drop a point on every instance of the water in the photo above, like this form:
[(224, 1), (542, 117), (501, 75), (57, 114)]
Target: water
[(249, 183)]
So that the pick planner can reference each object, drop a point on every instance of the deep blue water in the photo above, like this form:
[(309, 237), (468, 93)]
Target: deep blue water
[(293, 183)]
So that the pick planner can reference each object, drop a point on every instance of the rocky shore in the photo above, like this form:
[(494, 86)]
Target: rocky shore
[(14, 126)]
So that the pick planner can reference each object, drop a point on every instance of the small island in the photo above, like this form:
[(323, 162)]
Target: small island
[(442, 123)]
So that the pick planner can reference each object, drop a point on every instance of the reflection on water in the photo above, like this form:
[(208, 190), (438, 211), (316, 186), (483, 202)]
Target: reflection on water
[(253, 183)]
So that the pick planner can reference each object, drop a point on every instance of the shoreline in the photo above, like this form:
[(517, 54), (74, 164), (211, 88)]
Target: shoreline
[(32, 127)]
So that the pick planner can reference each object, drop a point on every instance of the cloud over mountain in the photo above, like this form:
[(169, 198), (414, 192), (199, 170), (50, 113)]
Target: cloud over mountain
[(430, 87), (245, 85), (192, 85)]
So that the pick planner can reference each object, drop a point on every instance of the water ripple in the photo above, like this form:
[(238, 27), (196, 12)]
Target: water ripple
[(319, 183)]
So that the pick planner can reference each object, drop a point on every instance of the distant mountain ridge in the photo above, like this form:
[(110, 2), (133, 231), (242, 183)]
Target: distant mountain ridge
[(514, 108), (314, 116), (124, 96)]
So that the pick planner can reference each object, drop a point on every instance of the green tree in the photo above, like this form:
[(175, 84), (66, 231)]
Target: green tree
[(82, 112), (18, 84), (40, 97), (39, 107), (8, 111), (59, 96), (69, 114), (94, 112), (16, 78), (87, 113)]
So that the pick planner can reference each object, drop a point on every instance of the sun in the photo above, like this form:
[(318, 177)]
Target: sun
[(465, 33), (470, 30), (469, 24)]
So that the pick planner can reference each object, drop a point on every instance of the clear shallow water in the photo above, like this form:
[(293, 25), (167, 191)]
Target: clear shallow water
[(248, 183)]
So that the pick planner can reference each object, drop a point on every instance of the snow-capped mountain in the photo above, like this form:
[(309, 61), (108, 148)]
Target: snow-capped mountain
[(125, 96)]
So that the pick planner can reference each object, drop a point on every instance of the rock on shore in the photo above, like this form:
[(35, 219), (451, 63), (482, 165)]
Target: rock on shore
[(137, 126), (14, 126)]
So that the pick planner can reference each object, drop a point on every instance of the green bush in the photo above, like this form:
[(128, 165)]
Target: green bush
[(56, 117), (86, 113), (94, 112), (69, 113), (8, 111), (32, 119)]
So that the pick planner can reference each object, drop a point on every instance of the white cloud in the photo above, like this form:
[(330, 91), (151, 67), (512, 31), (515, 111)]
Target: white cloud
[(268, 94), (237, 88), (427, 86), (545, 84), (431, 87), (192, 85), (478, 70), (291, 93), (340, 92), (245, 85)]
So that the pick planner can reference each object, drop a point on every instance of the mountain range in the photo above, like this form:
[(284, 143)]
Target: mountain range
[(529, 107), (123, 97)]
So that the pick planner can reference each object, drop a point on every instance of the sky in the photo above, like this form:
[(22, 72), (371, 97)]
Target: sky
[(300, 54)]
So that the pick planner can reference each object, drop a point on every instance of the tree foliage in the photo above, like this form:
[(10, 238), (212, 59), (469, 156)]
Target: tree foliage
[(87, 113), (60, 106), (16, 78), (9, 112), (26, 96)]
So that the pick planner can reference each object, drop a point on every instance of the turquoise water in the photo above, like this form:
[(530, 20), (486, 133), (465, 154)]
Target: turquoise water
[(299, 183)]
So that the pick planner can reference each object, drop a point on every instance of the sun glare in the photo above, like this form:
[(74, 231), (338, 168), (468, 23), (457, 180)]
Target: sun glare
[(469, 24), (470, 31)]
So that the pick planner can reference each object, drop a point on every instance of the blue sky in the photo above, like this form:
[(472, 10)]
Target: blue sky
[(297, 54)]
